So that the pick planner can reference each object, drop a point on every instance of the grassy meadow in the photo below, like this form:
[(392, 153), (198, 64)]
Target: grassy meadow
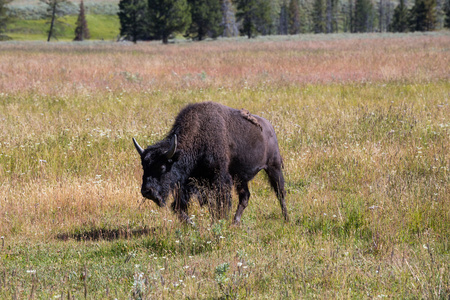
[(363, 123), (101, 27)]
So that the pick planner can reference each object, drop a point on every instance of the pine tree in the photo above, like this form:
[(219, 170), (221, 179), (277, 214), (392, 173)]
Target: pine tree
[(389, 13), (263, 17), (447, 14), (430, 15), (4, 19), (206, 18), (440, 14), (228, 19), (294, 17), (305, 17), (330, 20), (347, 11), (334, 15), (133, 20), (381, 16), (246, 15), (363, 21), (400, 19), (82, 30), (384, 15), (255, 17), (53, 12), (319, 16), (423, 15), (283, 25), (167, 17)]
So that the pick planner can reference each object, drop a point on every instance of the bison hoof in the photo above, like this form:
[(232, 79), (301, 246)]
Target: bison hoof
[(184, 218)]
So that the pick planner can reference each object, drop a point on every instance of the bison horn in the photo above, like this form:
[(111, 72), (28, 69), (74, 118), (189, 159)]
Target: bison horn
[(138, 148), (173, 147)]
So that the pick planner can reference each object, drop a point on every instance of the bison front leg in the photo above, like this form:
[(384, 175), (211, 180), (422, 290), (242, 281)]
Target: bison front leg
[(220, 202), (221, 196), (244, 195), (224, 201), (180, 204)]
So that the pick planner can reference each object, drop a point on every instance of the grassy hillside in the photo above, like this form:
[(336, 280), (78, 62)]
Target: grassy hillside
[(363, 126), (101, 27)]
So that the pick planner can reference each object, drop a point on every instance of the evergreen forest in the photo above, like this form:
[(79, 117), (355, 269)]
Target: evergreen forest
[(143, 20)]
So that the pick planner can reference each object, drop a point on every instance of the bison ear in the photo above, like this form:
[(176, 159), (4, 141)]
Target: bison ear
[(138, 148), (173, 148)]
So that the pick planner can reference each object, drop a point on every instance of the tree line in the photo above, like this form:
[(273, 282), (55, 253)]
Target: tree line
[(200, 19)]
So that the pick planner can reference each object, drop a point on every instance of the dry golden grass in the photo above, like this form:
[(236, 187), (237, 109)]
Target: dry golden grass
[(363, 125)]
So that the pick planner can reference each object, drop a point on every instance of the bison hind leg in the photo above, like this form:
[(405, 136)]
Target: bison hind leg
[(244, 195), (276, 180)]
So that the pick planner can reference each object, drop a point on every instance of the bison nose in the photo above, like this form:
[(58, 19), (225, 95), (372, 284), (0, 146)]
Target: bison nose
[(148, 193), (153, 195)]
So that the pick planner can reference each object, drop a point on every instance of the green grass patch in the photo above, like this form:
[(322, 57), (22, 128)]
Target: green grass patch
[(101, 27)]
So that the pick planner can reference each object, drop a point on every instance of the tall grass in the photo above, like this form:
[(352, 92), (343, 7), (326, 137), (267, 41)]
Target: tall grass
[(363, 126), (68, 69)]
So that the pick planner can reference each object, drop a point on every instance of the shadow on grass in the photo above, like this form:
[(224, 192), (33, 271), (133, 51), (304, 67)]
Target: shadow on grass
[(96, 234)]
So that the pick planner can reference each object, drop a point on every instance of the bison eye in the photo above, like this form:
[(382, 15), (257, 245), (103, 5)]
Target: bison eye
[(163, 168)]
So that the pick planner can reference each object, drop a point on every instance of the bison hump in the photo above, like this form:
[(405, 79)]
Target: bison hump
[(249, 117)]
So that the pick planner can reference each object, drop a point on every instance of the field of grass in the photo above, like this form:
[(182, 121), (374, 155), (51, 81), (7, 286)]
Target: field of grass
[(363, 123), (101, 27)]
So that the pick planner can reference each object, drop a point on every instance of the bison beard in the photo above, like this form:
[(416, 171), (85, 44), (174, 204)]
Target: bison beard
[(210, 148)]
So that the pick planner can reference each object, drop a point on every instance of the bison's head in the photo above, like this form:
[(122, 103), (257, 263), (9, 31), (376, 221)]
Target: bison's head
[(157, 162)]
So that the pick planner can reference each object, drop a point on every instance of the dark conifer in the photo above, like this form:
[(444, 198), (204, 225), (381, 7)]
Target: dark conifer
[(263, 17), (133, 15), (400, 19), (167, 17), (255, 17), (82, 30), (206, 18), (294, 17), (4, 19), (447, 14), (423, 15), (363, 16), (319, 16), (283, 25)]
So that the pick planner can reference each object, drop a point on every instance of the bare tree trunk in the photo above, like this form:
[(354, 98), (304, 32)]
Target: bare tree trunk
[(228, 19), (52, 22), (165, 39)]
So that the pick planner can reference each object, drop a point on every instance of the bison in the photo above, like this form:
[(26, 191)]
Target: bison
[(210, 148)]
